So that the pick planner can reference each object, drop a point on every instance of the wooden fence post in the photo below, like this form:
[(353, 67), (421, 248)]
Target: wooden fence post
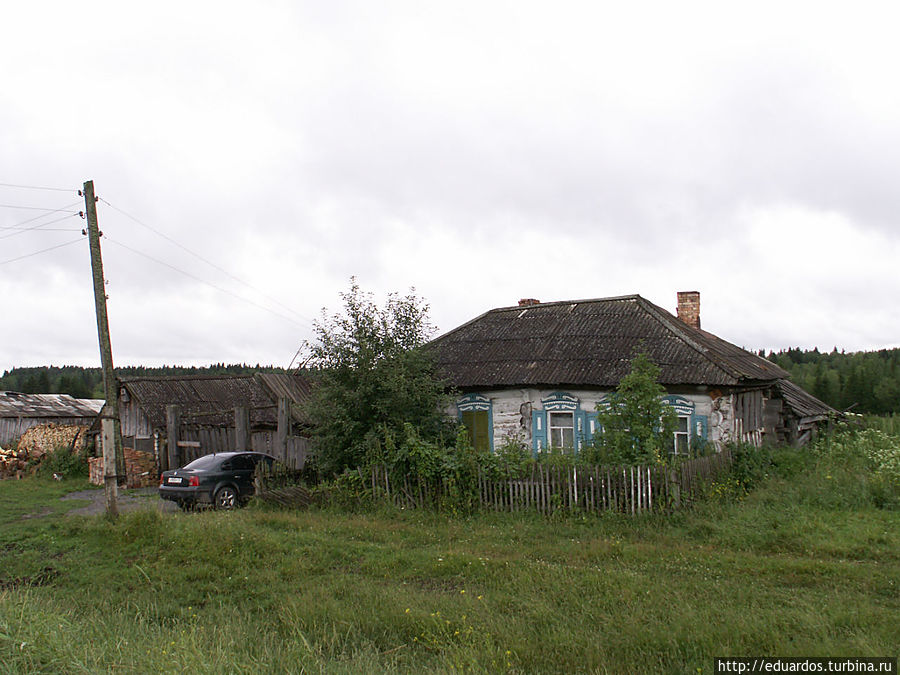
[(674, 488), (284, 427), (241, 428), (173, 428)]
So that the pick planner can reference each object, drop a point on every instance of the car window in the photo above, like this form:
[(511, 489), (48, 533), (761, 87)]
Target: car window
[(243, 463), (205, 462)]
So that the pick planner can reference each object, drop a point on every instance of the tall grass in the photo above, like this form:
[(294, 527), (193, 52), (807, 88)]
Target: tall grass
[(790, 569), (889, 424)]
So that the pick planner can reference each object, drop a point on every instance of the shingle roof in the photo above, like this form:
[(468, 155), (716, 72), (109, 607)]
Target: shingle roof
[(211, 400), (590, 343), (802, 403), (15, 404)]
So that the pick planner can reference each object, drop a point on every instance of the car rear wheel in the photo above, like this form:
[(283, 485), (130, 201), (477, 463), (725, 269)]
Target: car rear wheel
[(226, 498)]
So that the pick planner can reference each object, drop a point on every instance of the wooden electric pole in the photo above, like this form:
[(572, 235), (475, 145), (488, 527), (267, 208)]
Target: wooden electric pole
[(111, 429)]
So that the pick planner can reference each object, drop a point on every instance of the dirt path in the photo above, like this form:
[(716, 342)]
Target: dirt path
[(129, 500)]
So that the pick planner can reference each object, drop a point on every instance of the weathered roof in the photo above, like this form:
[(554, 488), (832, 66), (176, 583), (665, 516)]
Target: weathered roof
[(590, 343), (16, 404), (296, 387), (802, 403), (211, 400)]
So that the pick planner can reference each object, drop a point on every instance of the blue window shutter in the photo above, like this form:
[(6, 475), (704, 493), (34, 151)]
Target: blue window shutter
[(700, 426), (591, 427), (581, 431), (538, 430)]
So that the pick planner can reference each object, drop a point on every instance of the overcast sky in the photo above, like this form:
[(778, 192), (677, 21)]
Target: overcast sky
[(480, 152)]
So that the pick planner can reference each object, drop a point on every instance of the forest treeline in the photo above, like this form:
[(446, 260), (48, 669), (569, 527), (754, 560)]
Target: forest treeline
[(862, 382), (88, 382)]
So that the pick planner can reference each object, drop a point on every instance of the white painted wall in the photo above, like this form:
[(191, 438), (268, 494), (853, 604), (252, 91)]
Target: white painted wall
[(510, 422)]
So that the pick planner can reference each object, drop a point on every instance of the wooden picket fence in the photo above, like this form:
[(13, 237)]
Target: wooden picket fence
[(632, 489)]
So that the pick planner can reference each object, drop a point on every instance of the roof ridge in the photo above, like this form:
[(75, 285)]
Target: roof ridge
[(163, 378), (678, 327), (512, 308), (632, 296)]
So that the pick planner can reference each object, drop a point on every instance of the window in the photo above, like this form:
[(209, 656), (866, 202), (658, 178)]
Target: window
[(562, 430), (690, 428), (477, 423), (243, 463), (475, 414), (560, 423), (682, 436)]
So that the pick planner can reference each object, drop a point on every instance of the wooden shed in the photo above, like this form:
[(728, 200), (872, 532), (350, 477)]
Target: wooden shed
[(19, 412), (213, 414)]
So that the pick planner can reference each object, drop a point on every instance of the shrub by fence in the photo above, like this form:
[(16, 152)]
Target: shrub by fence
[(547, 488)]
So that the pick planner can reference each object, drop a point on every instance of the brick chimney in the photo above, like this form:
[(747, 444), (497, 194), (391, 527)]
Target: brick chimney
[(689, 307), (528, 302)]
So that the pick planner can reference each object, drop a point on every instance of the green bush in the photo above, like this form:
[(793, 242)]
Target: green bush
[(347, 491), (637, 424), (750, 464), (512, 459), (373, 373), (64, 462)]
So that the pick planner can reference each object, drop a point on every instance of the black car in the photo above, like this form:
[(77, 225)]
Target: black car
[(222, 479)]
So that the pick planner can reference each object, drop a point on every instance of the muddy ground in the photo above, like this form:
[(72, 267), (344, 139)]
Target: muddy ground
[(129, 500)]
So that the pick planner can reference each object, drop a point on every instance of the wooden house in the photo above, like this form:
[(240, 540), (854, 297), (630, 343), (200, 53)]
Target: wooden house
[(19, 412), (537, 371)]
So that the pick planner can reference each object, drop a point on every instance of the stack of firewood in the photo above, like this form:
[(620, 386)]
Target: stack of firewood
[(140, 469), (40, 440), (12, 463)]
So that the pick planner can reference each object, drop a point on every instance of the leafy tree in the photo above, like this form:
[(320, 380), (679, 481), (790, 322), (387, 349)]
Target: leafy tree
[(373, 377), (637, 425)]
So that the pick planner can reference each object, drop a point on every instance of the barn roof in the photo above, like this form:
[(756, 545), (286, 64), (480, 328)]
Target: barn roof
[(802, 403), (49, 406), (211, 399), (590, 343)]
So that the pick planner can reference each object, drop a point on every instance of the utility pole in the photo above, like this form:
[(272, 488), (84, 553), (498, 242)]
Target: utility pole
[(111, 429)]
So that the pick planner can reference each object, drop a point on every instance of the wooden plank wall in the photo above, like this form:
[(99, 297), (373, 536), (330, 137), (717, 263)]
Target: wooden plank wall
[(749, 416), (632, 490), (135, 422), (222, 439)]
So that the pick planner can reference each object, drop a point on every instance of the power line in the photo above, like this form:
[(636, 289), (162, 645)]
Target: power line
[(44, 250), (208, 262), (36, 187), (42, 227), (26, 208), (203, 281), (44, 215)]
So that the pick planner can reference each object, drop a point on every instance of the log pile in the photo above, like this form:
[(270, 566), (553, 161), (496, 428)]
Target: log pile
[(140, 469), (39, 440), (36, 443), (12, 463)]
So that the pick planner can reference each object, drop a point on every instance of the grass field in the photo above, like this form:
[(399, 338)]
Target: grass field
[(787, 571)]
